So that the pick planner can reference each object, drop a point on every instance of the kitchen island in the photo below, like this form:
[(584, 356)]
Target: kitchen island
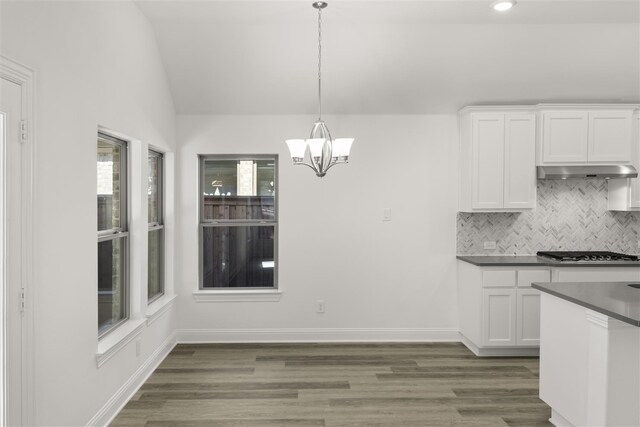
[(590, 352)]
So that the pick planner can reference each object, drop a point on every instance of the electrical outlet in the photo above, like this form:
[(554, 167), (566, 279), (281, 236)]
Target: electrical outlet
[(320, 306), (386, 214), (638, 244), (490, 245)]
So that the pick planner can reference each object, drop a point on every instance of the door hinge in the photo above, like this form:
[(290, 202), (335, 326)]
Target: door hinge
[(22, 300), (24, 131)]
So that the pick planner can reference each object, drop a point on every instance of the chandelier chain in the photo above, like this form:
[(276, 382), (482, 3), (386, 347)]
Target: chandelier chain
[(319, 63)]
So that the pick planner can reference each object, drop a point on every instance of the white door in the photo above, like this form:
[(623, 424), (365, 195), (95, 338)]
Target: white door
[(520, 161), (498, 317), (610, 136), (564, 136), (488, 160), (11, 158)]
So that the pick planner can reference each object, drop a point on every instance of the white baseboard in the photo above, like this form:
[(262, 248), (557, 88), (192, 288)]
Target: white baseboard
[(500, 351), (316, 335), (108, 412)]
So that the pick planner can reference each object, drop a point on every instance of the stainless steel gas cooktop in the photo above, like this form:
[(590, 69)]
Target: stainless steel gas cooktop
[(597, 256)]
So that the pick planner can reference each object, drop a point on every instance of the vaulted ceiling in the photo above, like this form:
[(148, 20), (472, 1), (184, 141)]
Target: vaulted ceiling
[(395, 57)]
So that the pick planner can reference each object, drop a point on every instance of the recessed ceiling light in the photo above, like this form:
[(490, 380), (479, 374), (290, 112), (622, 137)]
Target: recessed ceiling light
[(503, 5)]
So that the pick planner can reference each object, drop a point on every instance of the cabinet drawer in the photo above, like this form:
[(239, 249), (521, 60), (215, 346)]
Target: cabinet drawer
[(498, 278), (525, 277)]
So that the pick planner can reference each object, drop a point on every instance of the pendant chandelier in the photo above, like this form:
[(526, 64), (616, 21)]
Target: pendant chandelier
[(320, 150)]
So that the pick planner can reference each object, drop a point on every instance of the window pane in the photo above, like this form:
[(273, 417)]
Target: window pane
[(238, 189), (109, 185), (112, 295), (238, 257), (155, 283), (154, 189)]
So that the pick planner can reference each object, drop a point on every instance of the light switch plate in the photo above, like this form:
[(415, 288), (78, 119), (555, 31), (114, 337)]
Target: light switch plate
[(386, 214)]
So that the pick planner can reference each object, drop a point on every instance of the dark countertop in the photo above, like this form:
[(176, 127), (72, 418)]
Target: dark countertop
[(614, 299), (532, 260)]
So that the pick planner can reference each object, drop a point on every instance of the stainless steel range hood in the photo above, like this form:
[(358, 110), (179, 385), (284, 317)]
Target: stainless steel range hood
[(584, 171)]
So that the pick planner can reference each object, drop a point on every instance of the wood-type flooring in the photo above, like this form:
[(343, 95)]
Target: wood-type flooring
[(434, 384)]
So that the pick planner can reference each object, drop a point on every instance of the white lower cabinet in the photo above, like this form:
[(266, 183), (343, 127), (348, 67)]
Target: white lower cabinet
[(499, 311)]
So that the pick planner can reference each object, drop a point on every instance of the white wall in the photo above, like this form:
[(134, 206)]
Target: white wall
[(96, 63), (380, 280)]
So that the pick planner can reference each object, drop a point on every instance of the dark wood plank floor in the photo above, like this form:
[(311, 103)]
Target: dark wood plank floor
[(440, 384)]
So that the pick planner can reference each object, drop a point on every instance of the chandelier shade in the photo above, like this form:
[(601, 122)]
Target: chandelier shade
[(297, 148), (320, 151)]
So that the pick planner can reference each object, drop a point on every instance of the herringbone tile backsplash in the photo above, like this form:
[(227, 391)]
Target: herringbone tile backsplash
[(570, 215)]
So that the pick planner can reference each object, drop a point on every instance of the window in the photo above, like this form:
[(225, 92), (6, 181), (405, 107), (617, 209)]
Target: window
[(238, 222), (155, 277), (113, 280)]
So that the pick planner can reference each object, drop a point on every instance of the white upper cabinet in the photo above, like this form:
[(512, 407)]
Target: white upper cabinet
[(497, 149), (574, 136), (624, 194)]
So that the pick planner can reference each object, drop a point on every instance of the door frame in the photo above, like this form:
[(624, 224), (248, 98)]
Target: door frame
[(24, 76)]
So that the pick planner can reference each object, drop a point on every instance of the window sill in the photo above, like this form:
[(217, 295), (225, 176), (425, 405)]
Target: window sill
[(263, 295), (110, 345), (160, 306)]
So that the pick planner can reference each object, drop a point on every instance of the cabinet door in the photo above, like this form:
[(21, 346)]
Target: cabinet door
[(564, 136), (528, 317), (520, 161), (498, 317), (488, 160), (610, 136)]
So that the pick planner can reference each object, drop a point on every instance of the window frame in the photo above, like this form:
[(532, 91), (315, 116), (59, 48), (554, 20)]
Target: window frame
[(158, 225), (202, 222), (121, 232)]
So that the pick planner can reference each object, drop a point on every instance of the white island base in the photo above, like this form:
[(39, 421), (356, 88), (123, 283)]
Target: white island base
[(589, 366)]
